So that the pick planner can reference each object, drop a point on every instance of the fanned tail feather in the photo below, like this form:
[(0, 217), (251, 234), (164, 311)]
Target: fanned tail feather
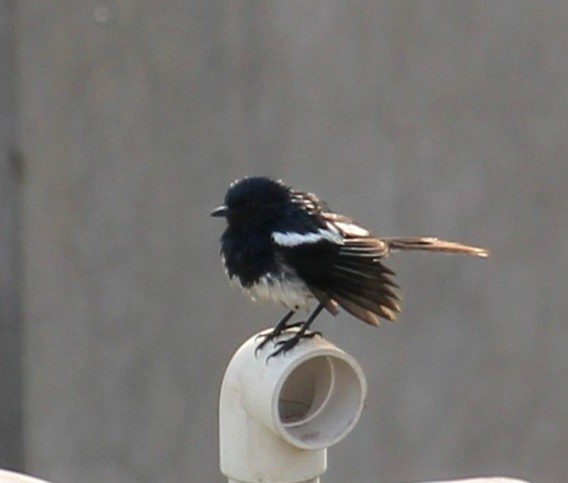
[(434, 245), (363, 286)]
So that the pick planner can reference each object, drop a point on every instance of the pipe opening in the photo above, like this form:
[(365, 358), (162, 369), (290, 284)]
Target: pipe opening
[(320, 401), (305, 392)]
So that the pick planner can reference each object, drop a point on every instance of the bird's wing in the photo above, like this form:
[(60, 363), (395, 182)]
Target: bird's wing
[(362, 283), (341, 264), (308, 202)]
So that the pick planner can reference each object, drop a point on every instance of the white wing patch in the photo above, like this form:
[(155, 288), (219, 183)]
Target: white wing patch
[(293, 239)]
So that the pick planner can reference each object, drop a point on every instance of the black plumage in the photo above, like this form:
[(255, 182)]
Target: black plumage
[(288, 246)]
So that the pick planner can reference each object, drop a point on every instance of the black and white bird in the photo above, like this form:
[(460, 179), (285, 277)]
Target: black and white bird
[(287, 246)]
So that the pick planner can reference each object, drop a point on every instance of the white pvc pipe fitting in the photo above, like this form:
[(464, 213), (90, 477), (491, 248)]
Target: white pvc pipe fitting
[(278, 416), (13, 477)]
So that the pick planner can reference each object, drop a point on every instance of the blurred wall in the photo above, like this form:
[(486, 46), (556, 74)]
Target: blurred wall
[(417, 118), (11, 377)]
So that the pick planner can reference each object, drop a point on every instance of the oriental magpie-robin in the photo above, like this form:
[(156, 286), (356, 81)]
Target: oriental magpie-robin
[(288, 246)]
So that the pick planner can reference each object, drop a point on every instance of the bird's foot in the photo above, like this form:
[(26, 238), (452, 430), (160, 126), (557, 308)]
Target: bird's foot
[(270, 336), (266, 338), (288, 344)]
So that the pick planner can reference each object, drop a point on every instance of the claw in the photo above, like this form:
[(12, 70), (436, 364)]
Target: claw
[(275, 333), (282, 326), (285, 346), (266, 339), (288, 344)]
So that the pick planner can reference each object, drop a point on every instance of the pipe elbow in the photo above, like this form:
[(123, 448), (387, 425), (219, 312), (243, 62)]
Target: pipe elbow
[(278, 416)]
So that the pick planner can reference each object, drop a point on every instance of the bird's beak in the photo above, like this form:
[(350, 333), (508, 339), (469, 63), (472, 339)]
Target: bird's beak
[(220, 211)]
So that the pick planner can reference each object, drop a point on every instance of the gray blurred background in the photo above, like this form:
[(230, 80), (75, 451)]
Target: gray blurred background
[(121, 125)]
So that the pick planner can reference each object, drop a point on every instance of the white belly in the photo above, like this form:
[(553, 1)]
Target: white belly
[(287, 290)]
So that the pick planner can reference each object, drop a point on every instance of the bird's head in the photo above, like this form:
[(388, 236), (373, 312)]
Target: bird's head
[(254, 201)]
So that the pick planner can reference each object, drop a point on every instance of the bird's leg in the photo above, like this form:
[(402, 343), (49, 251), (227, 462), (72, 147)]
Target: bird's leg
[(276, 331), (286, 345)]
